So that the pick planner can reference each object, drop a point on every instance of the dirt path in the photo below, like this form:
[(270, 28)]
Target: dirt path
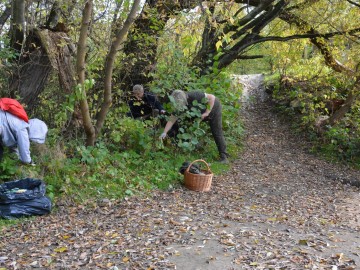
[(278, 208)]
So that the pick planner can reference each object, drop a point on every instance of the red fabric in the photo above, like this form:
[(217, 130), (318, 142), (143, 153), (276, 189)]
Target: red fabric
[(14, 107)]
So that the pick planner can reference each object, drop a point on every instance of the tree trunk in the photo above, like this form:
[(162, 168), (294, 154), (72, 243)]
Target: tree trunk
[(18, 24), (141, 52), (4, 17), (246, 34), (80, 70), (31, 76), (208, 43), (346, 107), (91, 130), (44, 54), (109, 65)]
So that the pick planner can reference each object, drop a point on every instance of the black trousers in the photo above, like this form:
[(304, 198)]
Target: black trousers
[(215, 122)]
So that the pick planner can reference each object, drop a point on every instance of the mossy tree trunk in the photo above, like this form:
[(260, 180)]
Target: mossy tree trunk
[(142, 43), (44, 52)]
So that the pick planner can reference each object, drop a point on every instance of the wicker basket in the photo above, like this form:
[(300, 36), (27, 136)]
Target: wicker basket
[(198, 182)]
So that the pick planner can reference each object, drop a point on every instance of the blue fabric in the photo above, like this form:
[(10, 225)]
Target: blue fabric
[(37, 130), (15, 132)]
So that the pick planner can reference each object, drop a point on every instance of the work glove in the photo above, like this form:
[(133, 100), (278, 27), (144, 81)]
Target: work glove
[(162, 136)]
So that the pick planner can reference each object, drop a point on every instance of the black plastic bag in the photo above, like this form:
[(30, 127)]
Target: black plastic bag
[(195, 169), (25, 197)]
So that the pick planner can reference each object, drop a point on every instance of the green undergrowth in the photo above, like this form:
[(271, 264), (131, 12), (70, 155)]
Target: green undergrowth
[(130, 160), (101, 172), (303, 103)]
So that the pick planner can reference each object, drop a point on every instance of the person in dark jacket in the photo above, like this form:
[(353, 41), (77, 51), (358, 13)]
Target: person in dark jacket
[(144, 105), (211, 112)]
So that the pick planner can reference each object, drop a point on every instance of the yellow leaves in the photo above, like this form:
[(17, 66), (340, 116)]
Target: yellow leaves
[(218, 44), (125, 259), (61, 249), (303, 242), (232, 21), (226, 39), (228, 242), (111, 234)]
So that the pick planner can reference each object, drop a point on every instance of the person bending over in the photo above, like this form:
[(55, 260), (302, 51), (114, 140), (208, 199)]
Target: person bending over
[(16, 134), (211, 112)]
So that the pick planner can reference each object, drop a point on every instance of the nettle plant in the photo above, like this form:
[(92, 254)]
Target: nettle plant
[(190, 132)]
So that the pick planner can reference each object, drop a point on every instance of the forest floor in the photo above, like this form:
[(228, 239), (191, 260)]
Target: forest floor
[(279, 207)]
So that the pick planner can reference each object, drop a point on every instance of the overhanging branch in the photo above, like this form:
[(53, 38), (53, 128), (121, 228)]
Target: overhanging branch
[(319, 41), (247, 57), (310, 35), (353, 3)]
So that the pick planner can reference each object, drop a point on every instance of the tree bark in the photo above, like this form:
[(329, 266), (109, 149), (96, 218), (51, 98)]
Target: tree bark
[(46, 51), (247, 30), (4, 17), (18, 24), (140, 58), (32, 73), (81, 69), (109, 65)]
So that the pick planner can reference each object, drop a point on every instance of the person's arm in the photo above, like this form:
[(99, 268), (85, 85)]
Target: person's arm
[(23, 143), (155, 103), (1, 151), (131, 105), (211, 102), (168, 126)]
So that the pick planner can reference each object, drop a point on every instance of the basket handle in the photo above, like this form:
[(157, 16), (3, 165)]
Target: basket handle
[(198, 160)]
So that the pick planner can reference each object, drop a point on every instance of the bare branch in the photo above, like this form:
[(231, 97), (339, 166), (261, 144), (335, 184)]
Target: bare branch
[(353, 3), (4, 17), (309, 35), (319, 42)]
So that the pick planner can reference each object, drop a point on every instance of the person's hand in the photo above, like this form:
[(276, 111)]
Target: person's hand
[(204, 115), (162, 136)]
